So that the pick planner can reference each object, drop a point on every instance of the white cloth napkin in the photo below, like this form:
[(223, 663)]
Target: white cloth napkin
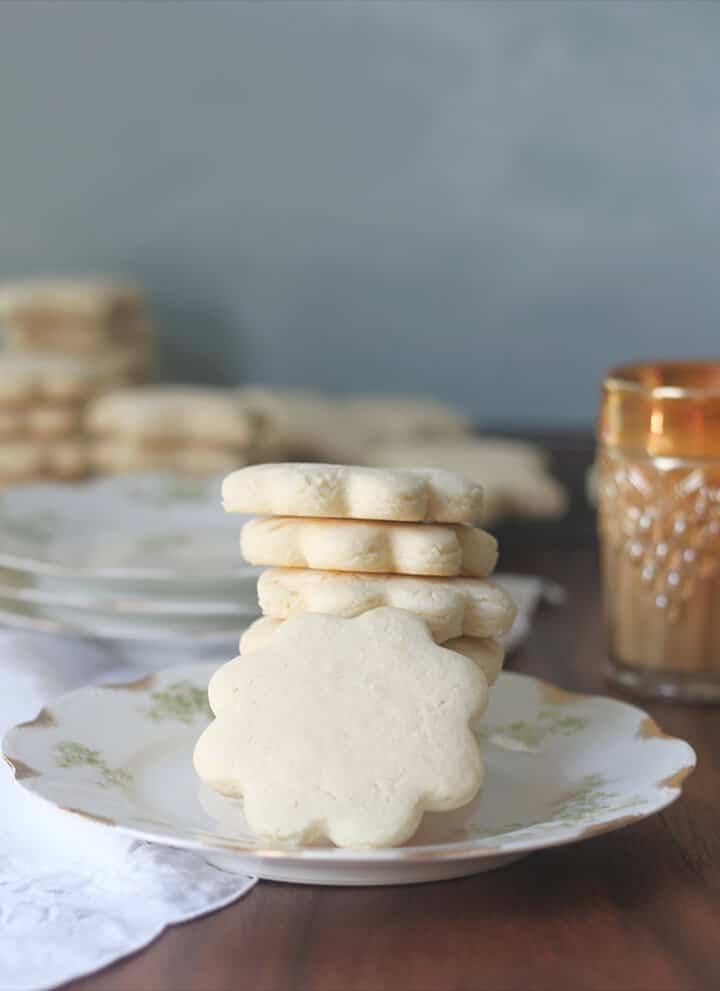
[(74, 896)]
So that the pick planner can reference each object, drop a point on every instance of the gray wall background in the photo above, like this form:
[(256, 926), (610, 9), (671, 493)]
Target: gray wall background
[(492, 201)]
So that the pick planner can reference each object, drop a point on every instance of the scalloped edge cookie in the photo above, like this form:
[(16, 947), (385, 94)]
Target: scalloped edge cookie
[(345, 729), (352, 492), (377, 546), (488, 654), (452, 607)]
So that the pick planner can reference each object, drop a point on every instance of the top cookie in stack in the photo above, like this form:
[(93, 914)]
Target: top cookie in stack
[(344, 540)]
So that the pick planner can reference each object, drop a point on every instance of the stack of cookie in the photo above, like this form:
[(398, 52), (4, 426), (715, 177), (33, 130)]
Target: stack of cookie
[(375, 545), (185, 429), (90, 319)]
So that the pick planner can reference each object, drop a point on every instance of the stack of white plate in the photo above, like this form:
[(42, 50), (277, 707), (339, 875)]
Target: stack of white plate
[(138, 558)]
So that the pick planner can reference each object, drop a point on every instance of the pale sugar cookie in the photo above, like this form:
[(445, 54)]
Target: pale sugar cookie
[(452, 607), (487, 653), (345, 729), (422, 494), (358, 545)]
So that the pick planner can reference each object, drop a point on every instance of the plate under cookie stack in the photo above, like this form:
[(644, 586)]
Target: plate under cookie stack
[(65, 342), (350, 710)]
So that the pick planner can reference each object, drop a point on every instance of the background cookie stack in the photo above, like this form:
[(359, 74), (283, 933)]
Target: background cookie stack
[(96, 332), (343, 540), (65, 343), (351, 730)]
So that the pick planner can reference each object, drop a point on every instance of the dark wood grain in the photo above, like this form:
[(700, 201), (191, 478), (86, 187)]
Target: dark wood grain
[(635, 910)]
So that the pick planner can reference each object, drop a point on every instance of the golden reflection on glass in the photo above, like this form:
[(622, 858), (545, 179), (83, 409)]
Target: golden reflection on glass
[(658, 484)]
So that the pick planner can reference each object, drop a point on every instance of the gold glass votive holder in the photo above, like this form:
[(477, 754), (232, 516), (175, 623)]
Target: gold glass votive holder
[(658, 490)]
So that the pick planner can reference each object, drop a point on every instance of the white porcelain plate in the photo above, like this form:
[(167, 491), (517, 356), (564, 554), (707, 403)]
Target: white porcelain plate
[(560, 767), (135, 527), (147, 628)]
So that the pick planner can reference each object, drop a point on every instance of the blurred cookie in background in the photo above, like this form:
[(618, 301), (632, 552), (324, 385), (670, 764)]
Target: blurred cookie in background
[(312, 425), (188, 429), (41, 422), (515, 475), (385, 419), (297, 424), (84, 318), (23, 461), (117, 457), (72, 315), (42, 400)]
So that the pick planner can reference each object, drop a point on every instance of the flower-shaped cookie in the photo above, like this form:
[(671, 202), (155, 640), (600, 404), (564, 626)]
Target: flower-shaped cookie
[(452, 607), (487, 653), (369, 546), (414, 495), (345, 729)]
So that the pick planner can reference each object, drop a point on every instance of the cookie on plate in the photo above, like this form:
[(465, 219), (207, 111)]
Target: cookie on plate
[(347, 730), (452, 607), (378, 546), (417, 495), (487, 653)]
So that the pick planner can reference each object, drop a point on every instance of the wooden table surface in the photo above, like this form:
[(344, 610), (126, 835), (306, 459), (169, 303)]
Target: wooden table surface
[(635, 909)]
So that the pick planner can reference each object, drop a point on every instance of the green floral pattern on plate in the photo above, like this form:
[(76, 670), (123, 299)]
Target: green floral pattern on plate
[(529, 735), (596, 772), (590, 798), (181, 701), (71, 754)]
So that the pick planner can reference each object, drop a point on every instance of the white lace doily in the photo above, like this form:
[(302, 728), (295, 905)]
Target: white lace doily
[(74, 897)]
